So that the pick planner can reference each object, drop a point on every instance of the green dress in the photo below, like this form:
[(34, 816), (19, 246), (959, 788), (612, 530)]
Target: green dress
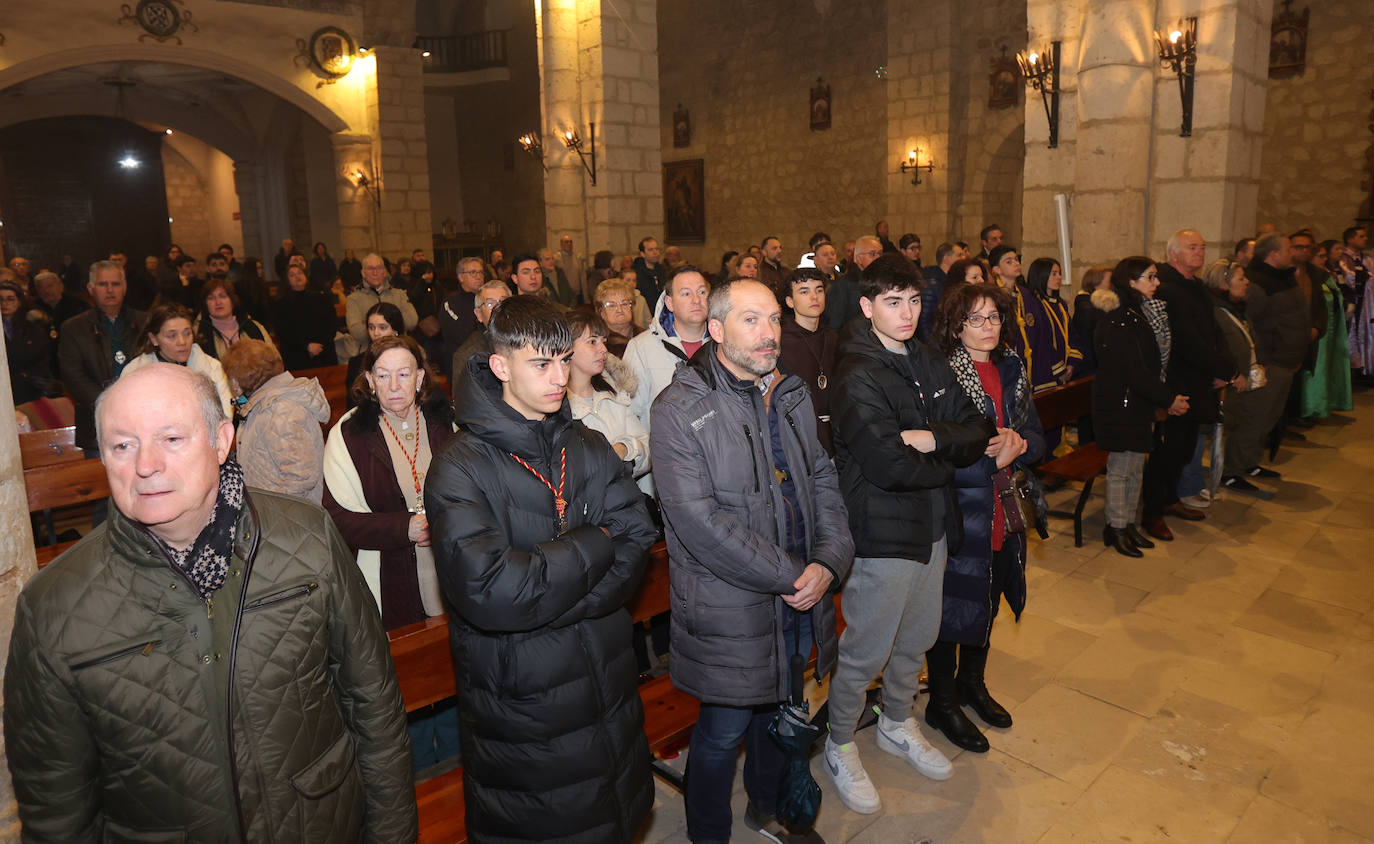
[(1327, 387)]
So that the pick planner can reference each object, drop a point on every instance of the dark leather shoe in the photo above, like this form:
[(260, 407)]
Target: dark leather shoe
[(1188, 514), (1138, 538), (949, 718), (975, 696), (1156, 527), (1121, 541)]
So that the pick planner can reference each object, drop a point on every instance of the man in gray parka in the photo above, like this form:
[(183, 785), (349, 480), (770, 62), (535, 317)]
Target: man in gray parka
[(758, 541)]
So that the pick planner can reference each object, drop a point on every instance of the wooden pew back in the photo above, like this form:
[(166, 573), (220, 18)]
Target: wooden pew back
[(49, 446), (1064, 405)]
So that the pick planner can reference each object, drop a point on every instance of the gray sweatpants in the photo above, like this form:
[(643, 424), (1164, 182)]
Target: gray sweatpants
[(892, 616)]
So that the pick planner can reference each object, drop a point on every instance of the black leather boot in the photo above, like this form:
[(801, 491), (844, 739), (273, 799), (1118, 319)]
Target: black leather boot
[(1121, 541), (973, 690), (1137, 537), (943, 712)]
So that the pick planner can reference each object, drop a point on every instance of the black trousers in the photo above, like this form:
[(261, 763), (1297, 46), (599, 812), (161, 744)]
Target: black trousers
[(1175, 441)]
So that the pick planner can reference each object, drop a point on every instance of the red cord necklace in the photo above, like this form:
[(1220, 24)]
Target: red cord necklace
[(559, 502), (410, 458)]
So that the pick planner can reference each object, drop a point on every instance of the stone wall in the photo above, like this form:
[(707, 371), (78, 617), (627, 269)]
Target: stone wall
[(186, 206), (745, 70), (1315, 164)]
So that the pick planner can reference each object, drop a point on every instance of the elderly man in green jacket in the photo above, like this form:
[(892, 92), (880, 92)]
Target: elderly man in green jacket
[(208, 665)]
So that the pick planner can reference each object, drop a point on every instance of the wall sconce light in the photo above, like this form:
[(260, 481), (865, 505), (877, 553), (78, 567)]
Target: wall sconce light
[(910, 165), (574, 143), (1178, 50), (1041, 71), (358, 179), (531, 144)]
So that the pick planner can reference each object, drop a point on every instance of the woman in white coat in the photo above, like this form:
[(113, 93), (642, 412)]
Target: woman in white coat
[(600, 389), (169, 338)]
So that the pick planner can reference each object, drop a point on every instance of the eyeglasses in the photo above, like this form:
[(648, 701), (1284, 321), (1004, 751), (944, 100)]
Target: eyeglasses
[(615, 306), (977, 320), (491, 303), (471, 272)]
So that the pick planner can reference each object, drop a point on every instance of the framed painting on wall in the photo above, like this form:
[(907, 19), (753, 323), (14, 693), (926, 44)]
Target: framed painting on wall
[(1288, 42), (1003, 87), (684, 206)]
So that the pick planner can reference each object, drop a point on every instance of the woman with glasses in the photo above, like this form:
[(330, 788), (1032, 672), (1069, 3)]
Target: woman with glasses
[(972, 327), (1132, 359), (615, 304)]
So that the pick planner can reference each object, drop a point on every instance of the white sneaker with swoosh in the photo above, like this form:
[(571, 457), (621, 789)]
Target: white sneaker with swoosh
[(904, 739), (851, 780)]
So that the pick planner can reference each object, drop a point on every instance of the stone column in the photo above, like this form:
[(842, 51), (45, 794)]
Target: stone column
[(17, 564), (396, 122), (599, 62), (246, 177), (357, 208), (918, 117)]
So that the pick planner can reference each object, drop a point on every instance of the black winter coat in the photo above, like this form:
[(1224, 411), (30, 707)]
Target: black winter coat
[(810, 355), (1199, 352), (968, 597), (1127, 389), (724, 517), (28, 355), (551, 723), (891, 489), (303, 318), (1280, 315), (87, 354)]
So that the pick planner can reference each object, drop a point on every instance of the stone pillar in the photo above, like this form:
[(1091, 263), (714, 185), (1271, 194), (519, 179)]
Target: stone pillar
[(1132, 179), (599, 62), (17, 564), (396, 122), (250, 220), (357, 208), (918, 117)]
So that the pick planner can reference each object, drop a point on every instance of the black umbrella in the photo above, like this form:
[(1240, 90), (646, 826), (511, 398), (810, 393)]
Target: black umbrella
[(799, 797)]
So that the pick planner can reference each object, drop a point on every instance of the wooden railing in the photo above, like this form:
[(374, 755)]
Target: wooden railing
[(458, 53)]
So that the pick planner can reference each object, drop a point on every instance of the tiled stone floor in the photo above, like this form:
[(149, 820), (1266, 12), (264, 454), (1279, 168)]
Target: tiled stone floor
[(1218, 690)]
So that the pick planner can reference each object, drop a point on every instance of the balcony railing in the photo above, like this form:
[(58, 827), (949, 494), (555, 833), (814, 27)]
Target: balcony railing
[(458, 53)]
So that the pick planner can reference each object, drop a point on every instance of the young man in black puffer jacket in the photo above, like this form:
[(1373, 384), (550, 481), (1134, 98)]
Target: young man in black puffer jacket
[(540, 538), (902, 425)]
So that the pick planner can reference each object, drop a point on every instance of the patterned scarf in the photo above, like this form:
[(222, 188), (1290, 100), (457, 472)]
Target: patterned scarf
[(1157, 315), (206, 562), (967, 377)]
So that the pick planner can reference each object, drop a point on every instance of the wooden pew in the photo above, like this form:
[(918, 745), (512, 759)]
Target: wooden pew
[(63, 485), (1065, 406), (49, 446)]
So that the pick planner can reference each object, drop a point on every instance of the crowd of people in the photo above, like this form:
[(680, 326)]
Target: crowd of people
[(855, 422)]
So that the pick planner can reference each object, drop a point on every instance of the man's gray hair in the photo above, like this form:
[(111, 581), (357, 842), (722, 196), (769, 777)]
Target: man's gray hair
[(494, 284), (721, 303), (47, 274), (464, 263), (1176, 241), (105, 265), (369, 256), (869, 240), (1268, 245), (211, 410)]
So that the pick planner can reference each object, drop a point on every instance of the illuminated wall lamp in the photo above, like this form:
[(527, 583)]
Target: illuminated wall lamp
[(358, 179), (1178, 50), (574, 143), (910, 165), (1040, 69), (531, 144)]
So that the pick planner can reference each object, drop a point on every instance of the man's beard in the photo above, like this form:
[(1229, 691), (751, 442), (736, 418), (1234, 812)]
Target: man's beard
[(740, 357)]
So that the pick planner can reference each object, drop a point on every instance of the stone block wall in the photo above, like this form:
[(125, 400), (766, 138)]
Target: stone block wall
[(1316, 163), (396, 120), (745, 71), (186, 206)]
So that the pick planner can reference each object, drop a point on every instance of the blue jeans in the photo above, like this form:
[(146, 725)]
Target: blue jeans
[(1192, 481), (715, 747), (433, 734)]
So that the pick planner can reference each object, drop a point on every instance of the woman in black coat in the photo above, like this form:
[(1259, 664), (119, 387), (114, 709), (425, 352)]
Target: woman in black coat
[(323, 270), (305, 324), (972, 327), (552, 724), (1128, 390)]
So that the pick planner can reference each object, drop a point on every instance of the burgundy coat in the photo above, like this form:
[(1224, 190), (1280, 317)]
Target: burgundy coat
[(386, 528)]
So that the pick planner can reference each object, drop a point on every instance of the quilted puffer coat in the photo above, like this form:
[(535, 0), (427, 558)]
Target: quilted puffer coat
[(134, 711), (724, 510), (551, 723)]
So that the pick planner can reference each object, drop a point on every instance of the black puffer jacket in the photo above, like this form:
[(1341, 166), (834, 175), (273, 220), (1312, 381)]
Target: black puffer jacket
[(1127, 389), (1280, 315), (889, 487), (552, 727), (1199, 352), (724, 514)]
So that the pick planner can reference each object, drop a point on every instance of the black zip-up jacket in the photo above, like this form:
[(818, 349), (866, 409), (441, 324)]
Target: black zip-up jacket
[(551, 723), (892, 490), (1199, 351), (723, 510)]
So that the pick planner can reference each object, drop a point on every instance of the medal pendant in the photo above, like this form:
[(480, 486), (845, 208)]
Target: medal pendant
[(119, 357), (410, 437), (822, 381)]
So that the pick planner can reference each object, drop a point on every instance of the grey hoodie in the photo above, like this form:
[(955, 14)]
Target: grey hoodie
[(280, 444)]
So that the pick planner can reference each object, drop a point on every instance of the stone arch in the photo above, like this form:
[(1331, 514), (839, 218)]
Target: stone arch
[(218, 62), (998, 182)]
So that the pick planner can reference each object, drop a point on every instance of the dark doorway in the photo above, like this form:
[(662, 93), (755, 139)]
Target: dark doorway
[(82, 186)]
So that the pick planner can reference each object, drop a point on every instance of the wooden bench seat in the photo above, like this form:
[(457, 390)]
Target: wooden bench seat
[(49, 446), (64, 484), (1065, 406)]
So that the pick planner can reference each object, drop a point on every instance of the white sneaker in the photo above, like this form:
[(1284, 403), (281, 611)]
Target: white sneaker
[(851, 780), (904, 739), (1201, 501)]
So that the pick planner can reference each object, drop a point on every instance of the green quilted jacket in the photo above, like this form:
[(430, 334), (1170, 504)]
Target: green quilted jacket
[(135, 711)]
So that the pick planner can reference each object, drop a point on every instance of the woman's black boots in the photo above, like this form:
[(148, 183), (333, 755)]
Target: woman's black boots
[(1138, 538), (973, 690), (1119, 539), (944, 712)]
